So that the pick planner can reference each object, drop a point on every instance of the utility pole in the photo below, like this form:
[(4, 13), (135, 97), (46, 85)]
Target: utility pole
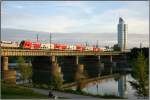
[(86, 43), (37, 38), (140, 45), (97, 44), (50, 40)]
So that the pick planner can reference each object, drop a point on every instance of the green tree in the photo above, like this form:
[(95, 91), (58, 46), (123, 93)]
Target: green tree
[(134, 52), (107, 47), (56, 77), (116, 47), (140, 73), (25, 69)]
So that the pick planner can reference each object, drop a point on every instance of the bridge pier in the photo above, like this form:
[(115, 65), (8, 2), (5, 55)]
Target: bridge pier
[(79, 73), (44, 68), (55, 68), (80, 68), (100, 68), (99, 58), (110, 58), (5, 64), (53, 58), (8, 75), (77, 59)]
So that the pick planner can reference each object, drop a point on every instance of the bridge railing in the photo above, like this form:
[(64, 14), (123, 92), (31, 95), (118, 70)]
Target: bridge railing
[(25, 52)]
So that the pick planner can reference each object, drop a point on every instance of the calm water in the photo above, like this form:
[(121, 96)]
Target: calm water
[(120, 87)]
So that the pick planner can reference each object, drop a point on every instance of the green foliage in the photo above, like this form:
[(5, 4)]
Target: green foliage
[(11, 91), (116, 47), (25, 70), (36, 85), (56, 77), (20, 61), (44, 86), (140, 73), (56, 82), (134, 52)]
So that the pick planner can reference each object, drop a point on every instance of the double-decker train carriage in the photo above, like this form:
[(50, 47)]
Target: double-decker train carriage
[(71, 47), (60, 46), (26, 44), (80, 47), (9, 44), (47, 46)]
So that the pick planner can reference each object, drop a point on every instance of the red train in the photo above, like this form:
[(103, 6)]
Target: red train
[(26, 44), (30, 45), (60, 46)]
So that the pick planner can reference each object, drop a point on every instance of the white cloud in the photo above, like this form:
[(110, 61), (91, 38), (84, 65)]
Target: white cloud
[(107, 21), (96, 23), (38, 23)]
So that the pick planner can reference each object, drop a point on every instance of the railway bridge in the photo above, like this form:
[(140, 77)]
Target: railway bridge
[(52, 54)]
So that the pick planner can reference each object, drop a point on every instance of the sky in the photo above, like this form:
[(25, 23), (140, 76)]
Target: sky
[(75, 16)]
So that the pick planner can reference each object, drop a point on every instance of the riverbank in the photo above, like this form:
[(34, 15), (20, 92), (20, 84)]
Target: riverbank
[(65, 94), (68, 88), (12, 91)]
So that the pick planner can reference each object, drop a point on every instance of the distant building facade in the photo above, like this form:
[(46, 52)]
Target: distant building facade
[(122, 34)]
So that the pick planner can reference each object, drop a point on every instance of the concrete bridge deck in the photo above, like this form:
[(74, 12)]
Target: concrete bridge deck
[(25, 52)]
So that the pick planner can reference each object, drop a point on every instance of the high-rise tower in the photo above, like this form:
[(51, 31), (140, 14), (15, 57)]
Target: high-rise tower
[(122, 34)]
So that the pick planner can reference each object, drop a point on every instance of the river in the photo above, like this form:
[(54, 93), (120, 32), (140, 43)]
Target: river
[(112, 86), (118, 87)]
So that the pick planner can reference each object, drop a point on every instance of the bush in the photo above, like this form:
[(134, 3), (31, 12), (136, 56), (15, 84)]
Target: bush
[(44, 86), (37, 85)]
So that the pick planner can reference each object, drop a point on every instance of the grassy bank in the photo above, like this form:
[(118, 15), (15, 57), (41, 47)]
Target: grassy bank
[(9, 91)]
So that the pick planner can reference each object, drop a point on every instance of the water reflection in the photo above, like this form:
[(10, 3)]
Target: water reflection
[(119, 87), (103, 87), (122, 86)]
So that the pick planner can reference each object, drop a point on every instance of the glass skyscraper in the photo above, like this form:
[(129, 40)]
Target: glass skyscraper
[(122, 34)]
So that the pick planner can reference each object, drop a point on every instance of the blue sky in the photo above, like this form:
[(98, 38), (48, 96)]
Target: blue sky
[(75, 16)]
